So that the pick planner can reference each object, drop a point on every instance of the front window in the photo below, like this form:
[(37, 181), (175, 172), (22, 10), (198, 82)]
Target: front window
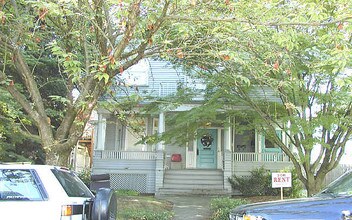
[(269, 144), (245, 141), (72, 185), (20, 184)]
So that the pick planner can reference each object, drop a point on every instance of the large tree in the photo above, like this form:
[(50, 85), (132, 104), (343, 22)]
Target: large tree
[(288, 62), (92, 42), (272, 43)]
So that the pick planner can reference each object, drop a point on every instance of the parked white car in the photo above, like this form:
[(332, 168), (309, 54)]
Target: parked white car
[(43, 192)]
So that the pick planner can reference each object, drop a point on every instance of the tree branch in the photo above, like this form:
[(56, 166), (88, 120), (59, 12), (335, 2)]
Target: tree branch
[(269, 24), (134, 11), (153, 28)]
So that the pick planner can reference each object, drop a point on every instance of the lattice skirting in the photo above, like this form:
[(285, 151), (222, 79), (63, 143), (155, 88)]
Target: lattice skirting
[(137, 182)]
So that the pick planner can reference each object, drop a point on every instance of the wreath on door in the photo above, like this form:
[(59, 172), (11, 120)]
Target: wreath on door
[(206, 140)]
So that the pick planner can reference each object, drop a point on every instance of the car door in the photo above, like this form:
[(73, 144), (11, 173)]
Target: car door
[(23, 196)]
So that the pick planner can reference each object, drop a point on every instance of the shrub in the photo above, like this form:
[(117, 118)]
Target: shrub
[(84, 175), (221, 207), (257, 184), (297, 188)]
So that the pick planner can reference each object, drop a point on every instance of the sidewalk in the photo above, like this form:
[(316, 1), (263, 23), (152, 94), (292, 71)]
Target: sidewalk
[(190, 207)]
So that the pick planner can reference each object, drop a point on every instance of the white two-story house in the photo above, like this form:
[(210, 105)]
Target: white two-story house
[(202, 165)]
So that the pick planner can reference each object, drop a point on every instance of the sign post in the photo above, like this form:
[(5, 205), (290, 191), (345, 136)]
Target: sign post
[(281, 180)]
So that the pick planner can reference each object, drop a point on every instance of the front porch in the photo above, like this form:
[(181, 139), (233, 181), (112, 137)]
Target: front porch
[(147, 171), (244, 163)]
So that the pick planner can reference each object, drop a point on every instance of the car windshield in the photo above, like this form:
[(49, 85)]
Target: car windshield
[(71, 183), (340, 187), (18, 184)]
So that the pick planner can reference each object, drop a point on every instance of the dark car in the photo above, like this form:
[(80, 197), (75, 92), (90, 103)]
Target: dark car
[(334, 202)]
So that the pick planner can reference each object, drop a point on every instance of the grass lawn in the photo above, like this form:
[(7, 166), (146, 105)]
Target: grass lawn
[(139, 207), (143, 207)]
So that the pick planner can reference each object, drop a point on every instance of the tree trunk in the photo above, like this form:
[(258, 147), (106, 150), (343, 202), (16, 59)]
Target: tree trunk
[(58, 156), (314, 185), (64, 158)]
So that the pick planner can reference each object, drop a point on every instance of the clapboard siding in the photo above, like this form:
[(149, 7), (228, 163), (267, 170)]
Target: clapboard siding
[(124, 164), (163, 80), (140, 172), (264, 93)]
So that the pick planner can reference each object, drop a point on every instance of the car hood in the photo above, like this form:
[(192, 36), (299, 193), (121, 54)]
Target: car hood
[(319, 207)]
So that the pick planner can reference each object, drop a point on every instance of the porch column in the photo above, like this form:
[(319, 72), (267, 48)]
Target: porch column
[(227, 156), (159, 169), (227, 137), (101, 130), (161, 129)]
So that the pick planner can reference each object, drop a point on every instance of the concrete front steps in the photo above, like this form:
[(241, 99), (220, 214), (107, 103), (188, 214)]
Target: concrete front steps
[(193, 181)]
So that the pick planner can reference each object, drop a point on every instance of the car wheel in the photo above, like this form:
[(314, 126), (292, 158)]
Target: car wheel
[(105, 205)]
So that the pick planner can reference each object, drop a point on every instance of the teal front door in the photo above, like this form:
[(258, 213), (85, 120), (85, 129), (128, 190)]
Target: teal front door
[(207, 148)]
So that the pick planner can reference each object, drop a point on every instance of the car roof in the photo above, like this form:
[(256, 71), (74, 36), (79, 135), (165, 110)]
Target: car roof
[(29, 166)]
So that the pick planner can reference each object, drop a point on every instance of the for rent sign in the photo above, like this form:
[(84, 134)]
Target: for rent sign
[(280, 180)]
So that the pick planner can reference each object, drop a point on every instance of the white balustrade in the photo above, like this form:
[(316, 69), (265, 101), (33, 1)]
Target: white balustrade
[(125, 155), (150, 155), (260, 157)]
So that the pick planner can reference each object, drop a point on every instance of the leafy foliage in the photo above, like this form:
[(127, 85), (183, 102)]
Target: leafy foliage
[(286, 61), (85, 176), (16, 145), (257, 184), (221, 207), (297, 189), (246, 51), (51, 49)]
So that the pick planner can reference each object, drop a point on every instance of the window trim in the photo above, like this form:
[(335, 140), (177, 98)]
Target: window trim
[(40, 184), (276, 149)]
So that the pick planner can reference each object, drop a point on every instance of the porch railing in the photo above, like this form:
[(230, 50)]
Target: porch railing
[(151, 155), (260, 157), (125, 155)]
